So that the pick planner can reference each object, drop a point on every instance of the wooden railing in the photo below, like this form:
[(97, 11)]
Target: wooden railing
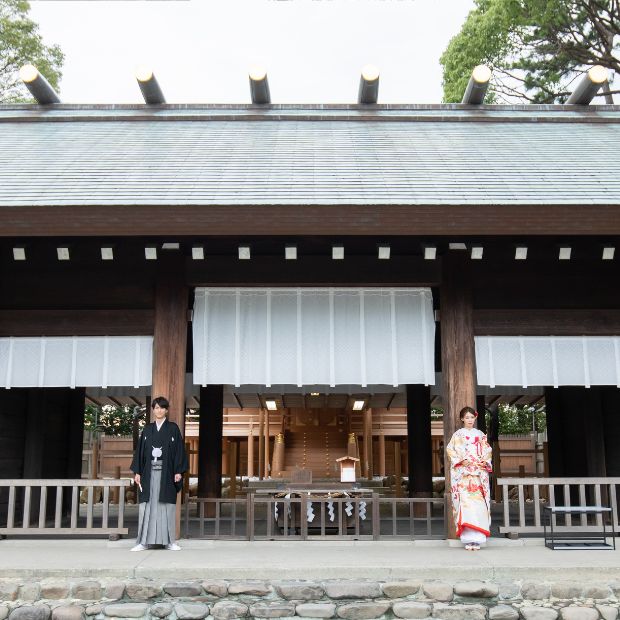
[(277, 518), (59, 509), (524, 517)]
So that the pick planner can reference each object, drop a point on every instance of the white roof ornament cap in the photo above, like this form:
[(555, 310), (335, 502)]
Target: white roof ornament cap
[(477, 252), (384, 252), (565, 253), (369, 85), (198, 252), (107, 253), (259, 85), (245, 252), (271, 405), (358, 405), (38, 86), (150, 253), (481, 74), (477, 86), (19, 253), (149, 86), (290, 252), (63, 253), (589, 85)]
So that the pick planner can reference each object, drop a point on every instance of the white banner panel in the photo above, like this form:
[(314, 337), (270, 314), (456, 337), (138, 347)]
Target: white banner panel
[(548, 360), (70, 361), (313, 336)]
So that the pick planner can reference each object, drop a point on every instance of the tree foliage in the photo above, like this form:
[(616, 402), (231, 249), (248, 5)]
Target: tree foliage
[(536, 48), (113, 421), (21, 44)]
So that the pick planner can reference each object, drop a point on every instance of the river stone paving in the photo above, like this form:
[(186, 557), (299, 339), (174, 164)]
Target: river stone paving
[(68, 612), (503, 612), (227, 610), (352, 589), (30, 612), (412, 609), (363, 611), (300, 590), (316, 610), (399, 589)]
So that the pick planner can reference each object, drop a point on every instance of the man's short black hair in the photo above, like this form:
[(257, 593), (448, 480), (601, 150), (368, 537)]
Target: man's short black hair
[(161, 401)]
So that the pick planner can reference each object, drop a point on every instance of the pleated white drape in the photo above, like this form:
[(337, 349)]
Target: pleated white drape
[(85, 361), (548, 360), (313, 336)]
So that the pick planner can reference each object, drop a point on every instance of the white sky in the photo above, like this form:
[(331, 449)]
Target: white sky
[(201, 50)]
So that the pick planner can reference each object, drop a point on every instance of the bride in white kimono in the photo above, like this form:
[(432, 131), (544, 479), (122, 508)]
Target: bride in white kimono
[(470, 464)]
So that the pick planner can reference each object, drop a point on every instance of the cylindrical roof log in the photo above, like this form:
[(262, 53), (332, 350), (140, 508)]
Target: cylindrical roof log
[(588, 86), (369, 85), (38, 86), (477, 86), (259, 86), (149, 87)]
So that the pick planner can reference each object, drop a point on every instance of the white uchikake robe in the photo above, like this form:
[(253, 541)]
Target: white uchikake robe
[(470, 490)]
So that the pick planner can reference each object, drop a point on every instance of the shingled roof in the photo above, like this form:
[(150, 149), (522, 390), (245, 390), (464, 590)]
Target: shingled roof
[(418, 155)]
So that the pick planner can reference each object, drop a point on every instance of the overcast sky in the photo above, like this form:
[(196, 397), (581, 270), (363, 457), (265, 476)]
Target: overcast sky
[(200, 50)]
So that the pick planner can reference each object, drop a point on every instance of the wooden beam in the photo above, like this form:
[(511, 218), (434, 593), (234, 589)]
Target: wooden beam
[(544, 322), (52, 322), (458, 360), (341, 220)]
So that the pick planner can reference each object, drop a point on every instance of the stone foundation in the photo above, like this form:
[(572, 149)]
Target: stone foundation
[(55, 599)]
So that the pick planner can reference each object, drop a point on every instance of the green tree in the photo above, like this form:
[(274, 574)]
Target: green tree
[(21, 44), (111, 420), (536, 48)]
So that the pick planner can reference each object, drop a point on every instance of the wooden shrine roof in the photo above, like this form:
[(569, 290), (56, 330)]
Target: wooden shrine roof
[(309, 155)]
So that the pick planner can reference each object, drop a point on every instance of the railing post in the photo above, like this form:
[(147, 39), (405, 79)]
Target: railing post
[(303, 516), (376, 517), (249, 517)]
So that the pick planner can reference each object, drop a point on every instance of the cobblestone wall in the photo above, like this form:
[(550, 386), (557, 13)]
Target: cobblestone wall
[(351, 600)]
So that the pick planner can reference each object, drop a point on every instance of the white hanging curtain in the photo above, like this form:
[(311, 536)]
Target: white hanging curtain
[(70, 361), (548, 360), (313, 336)]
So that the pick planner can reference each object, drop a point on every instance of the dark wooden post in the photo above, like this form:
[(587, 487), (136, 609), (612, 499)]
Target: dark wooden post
[(210, 430), (481, 408), (170, 344), (420, 447), (458, 363), (170, 339)]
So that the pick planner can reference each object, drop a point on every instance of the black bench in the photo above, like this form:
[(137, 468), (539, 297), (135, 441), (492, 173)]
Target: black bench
[(579, 536)]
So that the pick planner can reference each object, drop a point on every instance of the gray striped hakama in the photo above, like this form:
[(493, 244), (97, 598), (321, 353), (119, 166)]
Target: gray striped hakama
[(157, 520)]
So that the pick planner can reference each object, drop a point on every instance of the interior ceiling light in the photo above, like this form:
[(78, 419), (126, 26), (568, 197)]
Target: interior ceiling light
[(358, 405)]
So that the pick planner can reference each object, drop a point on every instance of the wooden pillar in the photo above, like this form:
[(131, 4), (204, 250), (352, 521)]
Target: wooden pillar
[(458, 361), (594, 432), (267, 451), (170, 339), (261, 444), (398, 479), (420, 447), (233, 446), (278, 456), (251, 452), (211, 429), (611, 424), (481, 408), (382, 454), (368, 473), (225, 451)]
